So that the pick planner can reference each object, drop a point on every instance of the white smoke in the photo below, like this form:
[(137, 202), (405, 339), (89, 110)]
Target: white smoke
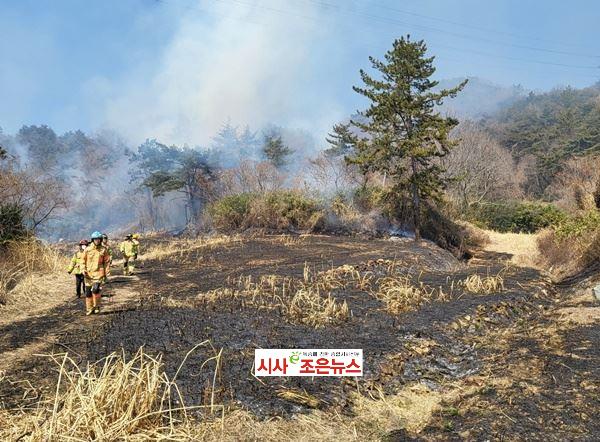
[(243, 62)]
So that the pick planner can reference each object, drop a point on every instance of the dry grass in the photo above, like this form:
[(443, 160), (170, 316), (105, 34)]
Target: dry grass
[(311, 308), (299, 397), (23, 266), (300, 301), (399, 294), (520, 248), (290, 240), (579, 315), (311, 299), (114, 399), (482, 285), (183, 249), (134, 400)]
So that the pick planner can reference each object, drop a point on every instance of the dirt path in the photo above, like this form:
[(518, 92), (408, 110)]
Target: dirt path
[(42, 331)]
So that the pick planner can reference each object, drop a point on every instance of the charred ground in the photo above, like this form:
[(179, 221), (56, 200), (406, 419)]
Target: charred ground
[(507, 364)]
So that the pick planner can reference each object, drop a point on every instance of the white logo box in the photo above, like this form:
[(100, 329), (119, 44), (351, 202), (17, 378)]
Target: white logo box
[(308, 362)]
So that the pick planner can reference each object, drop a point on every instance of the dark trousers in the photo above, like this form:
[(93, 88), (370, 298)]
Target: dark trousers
[(79, 285)]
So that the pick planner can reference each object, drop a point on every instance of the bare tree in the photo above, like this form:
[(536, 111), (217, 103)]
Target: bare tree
[(479, 168), (39, 197), (576, 184), (332, 172), (252, 176)]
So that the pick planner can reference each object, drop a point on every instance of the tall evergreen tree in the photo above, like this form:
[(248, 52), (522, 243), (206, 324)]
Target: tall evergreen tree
[(248, 143), (226, 144), (341, 141), (402, 134), (274, 150)]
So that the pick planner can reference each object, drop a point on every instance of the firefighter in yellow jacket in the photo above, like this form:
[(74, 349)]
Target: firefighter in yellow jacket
[(75, 268), (129, 250), (136, 240), (96, 268)]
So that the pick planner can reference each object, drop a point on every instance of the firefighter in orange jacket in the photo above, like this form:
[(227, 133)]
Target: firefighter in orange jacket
[(96, 268)]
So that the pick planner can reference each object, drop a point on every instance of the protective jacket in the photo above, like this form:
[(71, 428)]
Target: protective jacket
[(96, 262), (76, 262), (128, 248), (136, 246)]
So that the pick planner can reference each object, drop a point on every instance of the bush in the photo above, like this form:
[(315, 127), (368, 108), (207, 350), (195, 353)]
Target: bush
[(516, 217), (278, 210), (580, 225), (230, 212), (368, 198), (12, 224), (455, 237), (572, 246)]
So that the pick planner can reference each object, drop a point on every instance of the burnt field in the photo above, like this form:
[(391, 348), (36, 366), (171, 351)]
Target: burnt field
[(453, 350)]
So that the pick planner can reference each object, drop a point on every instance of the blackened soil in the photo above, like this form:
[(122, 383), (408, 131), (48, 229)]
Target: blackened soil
[(440, 344)]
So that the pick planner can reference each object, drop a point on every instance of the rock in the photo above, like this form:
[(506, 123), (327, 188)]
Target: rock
[(596, 292)]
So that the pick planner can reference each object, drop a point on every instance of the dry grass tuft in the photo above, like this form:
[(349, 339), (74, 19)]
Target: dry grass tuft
[(411, 409), (309, 307), (299, 397), (114, 399), (300, 301), (22, 267), (400, 295), (486, 285)]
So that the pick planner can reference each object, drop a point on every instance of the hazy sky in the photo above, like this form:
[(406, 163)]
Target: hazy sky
[(177, 69)]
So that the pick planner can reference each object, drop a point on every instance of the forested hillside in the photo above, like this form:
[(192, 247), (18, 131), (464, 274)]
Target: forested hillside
[(546, 130)]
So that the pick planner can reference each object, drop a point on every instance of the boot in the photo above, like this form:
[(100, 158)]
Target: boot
[(96, 303), (89, 306)]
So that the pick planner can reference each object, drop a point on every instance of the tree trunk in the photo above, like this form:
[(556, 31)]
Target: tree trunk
[(416, 202)]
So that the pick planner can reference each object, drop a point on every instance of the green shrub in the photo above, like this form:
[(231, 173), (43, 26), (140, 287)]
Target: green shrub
[(278, 210), (230, 212), (368, 198), (573, 245), (517, 217), (577, 226), (12, 224)]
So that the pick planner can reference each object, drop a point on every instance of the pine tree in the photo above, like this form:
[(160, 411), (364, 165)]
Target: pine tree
[(275, 150), (248, 143), (226, 144), (341, 141), (402, 134)]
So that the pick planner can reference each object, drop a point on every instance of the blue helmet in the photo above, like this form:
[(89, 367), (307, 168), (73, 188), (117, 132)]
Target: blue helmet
[(96, 235)]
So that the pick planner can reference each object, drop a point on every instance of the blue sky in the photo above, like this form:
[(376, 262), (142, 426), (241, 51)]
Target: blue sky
[(176, 69)]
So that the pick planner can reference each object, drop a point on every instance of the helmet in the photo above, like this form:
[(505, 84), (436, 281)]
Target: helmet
[(135, 235), (128, 236), (83, 242), (104, 236), (96, 235)]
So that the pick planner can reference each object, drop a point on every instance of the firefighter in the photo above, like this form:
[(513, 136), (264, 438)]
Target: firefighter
[(136, 240), (108, 248), (76, 269), (96, 268), (129, 250)]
